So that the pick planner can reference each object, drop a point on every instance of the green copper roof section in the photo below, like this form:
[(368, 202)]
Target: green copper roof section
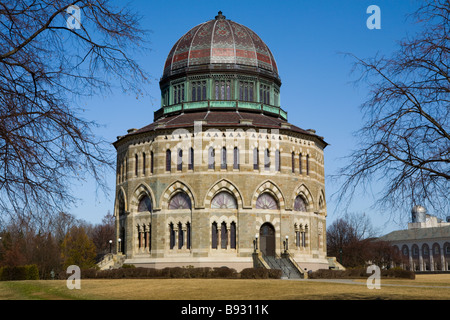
[(221, 105)]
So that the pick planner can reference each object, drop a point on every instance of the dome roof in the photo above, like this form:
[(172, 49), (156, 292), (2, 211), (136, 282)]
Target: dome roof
[(220, 42)]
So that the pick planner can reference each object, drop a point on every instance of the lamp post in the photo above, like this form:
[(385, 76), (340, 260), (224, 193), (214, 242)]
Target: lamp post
[(120, 247), (110, 246), (286, 244), (255, 243)]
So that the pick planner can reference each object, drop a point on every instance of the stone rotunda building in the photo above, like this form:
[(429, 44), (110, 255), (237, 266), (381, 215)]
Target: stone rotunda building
[(220, 173)]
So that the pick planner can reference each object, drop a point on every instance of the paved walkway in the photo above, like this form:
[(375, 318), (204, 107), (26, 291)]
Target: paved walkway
[(363, 283)]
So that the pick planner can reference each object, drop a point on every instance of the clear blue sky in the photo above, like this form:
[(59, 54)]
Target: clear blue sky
[(307, 39)]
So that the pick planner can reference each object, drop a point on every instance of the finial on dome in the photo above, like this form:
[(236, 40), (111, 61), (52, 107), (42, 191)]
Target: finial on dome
[(220, 16)]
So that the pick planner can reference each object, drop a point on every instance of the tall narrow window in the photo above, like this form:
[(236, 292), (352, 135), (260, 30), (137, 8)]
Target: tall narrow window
[(136, 164), (214, 234), (293, 162), (303, 239), (171, 235), (188, 235), (300, 163), (267, 159), (180, 236), (307, 164), (168, 160), (255, 159), (277, 160), (223, 235), (223, 164), (236, 158), (180, 160), (233, 235), (211, 158), (191, 159), (143, 163), (151, 162)]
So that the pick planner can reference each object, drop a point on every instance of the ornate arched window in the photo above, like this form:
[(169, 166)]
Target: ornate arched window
[(299, 204), (145, 204), (224, 200), (266, 201), (180, 201)]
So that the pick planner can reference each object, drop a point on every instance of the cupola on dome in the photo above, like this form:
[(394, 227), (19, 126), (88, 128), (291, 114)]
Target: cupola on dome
[(217, 43)]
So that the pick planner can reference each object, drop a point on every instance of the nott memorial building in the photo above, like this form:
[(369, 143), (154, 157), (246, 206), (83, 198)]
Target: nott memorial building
[(220, 173)]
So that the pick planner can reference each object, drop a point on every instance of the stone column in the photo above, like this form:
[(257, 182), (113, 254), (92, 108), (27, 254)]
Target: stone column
[(442, 259)]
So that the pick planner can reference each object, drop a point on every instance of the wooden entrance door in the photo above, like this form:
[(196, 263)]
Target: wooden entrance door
[(267, 239)]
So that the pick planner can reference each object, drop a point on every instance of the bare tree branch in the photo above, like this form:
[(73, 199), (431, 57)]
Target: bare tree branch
[(44, 67), (405, 142)]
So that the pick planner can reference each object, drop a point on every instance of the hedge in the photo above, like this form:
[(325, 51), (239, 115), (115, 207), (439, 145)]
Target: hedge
[(178, 272), (140, 272), (353, 273), (28, 272)]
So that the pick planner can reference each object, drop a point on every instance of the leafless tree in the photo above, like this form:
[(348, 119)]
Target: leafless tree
[(46, 68), (404, 145)]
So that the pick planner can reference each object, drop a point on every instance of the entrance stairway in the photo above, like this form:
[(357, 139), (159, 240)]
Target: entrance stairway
[(111, 261), (288, 267)]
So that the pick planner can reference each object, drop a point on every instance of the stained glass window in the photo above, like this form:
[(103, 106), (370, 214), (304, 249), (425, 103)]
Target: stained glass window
[(266, 201), (299, 204), (180, 201), (223, 200), (145, 204)]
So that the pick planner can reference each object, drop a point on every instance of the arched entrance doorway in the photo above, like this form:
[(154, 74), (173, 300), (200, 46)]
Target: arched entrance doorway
[(267, 239)]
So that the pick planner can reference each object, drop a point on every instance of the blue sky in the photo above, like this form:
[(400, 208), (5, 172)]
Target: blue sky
[(307, 38)]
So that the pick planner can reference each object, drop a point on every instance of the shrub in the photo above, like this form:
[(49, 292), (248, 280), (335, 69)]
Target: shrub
[(28, 272), (260, 273), (223, 272)]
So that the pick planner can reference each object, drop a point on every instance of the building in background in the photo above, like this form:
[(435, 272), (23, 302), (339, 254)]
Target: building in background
[(220, 173), (425, 245)]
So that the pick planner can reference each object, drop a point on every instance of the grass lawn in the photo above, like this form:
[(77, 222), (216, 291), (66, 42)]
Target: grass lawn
[(423, 287)]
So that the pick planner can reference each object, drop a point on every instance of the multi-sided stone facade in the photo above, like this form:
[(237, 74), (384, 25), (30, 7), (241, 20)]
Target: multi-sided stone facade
[(206, 185)]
